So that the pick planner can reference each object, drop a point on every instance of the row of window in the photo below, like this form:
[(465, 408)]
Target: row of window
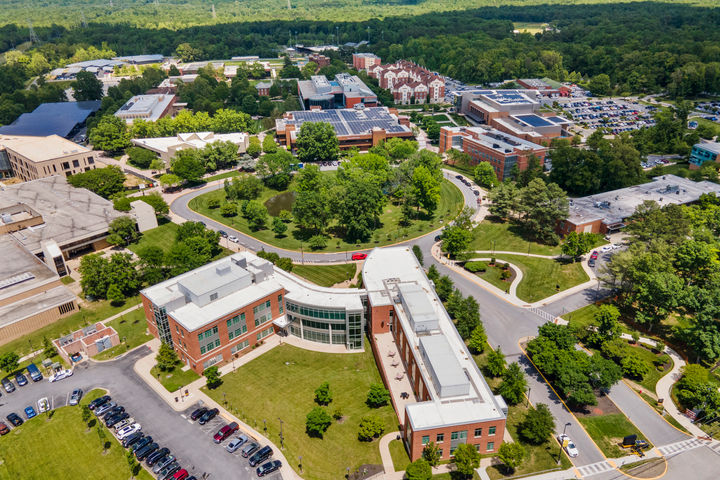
[(240, 346), (458, 435), (208, 333), (316, 312), (264, 333), (210, 346)]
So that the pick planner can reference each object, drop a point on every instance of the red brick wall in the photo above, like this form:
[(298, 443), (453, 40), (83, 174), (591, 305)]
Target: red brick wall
[(381, 319), (414, 438)]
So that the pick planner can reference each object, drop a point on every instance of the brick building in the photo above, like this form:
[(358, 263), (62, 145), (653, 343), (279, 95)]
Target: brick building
[(365, 61), (320, 59), (345, 91), (545, 86), (409, 82), (501, 150)]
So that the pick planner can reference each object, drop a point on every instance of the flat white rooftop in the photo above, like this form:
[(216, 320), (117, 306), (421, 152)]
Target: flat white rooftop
[(148, 107)]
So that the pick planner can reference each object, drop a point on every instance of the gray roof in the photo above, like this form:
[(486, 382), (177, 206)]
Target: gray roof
[(418, 306), (448, 374), (213, 276), (70, 214), (709, 146)]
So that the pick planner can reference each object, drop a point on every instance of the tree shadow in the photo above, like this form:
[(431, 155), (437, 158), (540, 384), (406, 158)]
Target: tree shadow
[(91, 423)]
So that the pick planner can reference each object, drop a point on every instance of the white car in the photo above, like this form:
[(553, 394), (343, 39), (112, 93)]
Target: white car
[(233, 239), (606, 248), (60, 375), (128, 430), (568, 445), (43, 405)]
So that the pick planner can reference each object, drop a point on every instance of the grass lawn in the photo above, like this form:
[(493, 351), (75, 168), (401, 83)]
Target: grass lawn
[(529, 27), (67, 280), (585, 317), (651, 378), (708, 123), (541, 275), (131, 329), (326, 275), (220, 176), (492, 276), (451, 202), (399, 455), (467, 170), (98, 310), (176, 378), (537, 457), (460, 120), (76, 452), (608, 432), (281, 384), (498, 235), (163, 236)]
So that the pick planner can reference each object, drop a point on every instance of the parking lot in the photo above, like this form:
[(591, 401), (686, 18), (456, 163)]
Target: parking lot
[(616, 115)]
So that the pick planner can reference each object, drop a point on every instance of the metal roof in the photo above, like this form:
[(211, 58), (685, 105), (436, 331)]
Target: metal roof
[(52, 119)]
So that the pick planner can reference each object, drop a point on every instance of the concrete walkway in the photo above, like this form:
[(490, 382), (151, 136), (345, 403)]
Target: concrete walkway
[(663, 387), (389, 466)]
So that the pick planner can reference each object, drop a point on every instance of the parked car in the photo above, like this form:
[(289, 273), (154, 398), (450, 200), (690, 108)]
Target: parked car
[(123, 423), (181, 474), (156, 455), (568, 445), (606, 248), (21, 379), (4, 429), (261, 455), (128, 430), (268, 467), (236, 443), (114, 420), (249, 449), (104, 408), (233, 239), (168, 470), (34, 372), (197, 413), (30, 412), (98, 402), (132, 439), (15, 419), (591, 262), (225, 432), (163, 463), (594, 255), (43, 405), (113, 411), (59, 375), (359, 256), (141, 443), (8, 385), (75, 396), (223, 233), (207, 416), (142, 453)]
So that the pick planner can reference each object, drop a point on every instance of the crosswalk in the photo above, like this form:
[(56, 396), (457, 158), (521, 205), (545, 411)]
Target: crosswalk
[(594, 469), (678, 447), (715, 447)]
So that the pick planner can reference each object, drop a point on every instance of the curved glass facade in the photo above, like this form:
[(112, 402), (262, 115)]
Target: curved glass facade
[(324, 325)]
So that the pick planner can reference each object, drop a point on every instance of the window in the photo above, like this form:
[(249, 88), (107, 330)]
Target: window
[(66, 166), (237, 332), (440, 452), (280, 305), (90, 160), (177, 330), (264, 333), (490, 446), (440, 438), (240, 346), (76, 163), (478, 432), (425, 439), (213, 296), (491, 431)]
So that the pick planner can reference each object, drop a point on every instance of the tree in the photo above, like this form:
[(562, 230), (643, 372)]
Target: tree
[(114, 294), (244, 187), (418, 254), (9, 362), (504, 199), (275, 168), (418, 470), (467, 316), (496, 362), (426, 188), (317, 142), (157, 202), (166, 357), (511, 454), (600, 84), (576, 245), (431, 453), (484, 175), (106, 182), (279, 227), (123, 231), (478, 339), (317, 422), (85, 414), (467, 459), (312, 203), (48, 348), (455, 239), (169, 180), (537, 425), (378, 396), (514, 384), (228, 209), (151, 264), (606, 318), (187, 165), (212, 377), (87, 87), (542, 206), (254, 148), (187, 53), (140, 157), (444, 287), (130, 456), (102, 436), (285, 263), (122, 204), (256, 214), (110, 134), (370, 427), (635, 367), (323, 396), (360, 206), (269, 145)]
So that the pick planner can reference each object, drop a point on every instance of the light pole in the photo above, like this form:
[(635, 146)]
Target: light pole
[(282, 446), (565, 428), (265, 427), (225, 399), (300, 463), (528, 396)]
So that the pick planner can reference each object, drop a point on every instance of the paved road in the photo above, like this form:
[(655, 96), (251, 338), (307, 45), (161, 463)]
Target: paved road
[(192, 446)]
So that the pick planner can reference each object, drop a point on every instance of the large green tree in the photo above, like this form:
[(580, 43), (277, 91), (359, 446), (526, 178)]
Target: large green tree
[(110, 134), (317, 142), (87, 87), (106, 182), (187, 164)]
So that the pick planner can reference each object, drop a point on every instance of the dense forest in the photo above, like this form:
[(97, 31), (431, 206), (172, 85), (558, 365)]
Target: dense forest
[(176, 14)]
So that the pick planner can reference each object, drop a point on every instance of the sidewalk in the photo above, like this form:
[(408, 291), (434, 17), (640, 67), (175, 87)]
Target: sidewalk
[(389, 466), (663, 387)]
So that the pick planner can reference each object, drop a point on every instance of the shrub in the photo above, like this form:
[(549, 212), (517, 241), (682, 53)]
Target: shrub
[(317, 422), (317, 242), (228, 210), (537, 425), (505, 274), (370, 427), (122, 204), (140, 157), (285, 263), (492, 261), (475, 267), (337, 414), (418, 470), (634, 367), (213, 203), (378, 396), (323, 396)]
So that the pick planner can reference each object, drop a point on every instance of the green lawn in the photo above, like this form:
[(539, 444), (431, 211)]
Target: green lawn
[(584, 317), (62, 448), (220, 176), (99, 310), (176, 378), (163, 236), (326, 275), (541, 275), (131, 329), (492, 276), (652, 377), (451, 202), (498, 235), (537, 458), (67, 280), (281, 384), (708, 123), (399, 455), (608, 432)]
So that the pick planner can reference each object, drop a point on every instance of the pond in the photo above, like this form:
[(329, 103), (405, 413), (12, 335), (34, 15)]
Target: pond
[(283, 201)]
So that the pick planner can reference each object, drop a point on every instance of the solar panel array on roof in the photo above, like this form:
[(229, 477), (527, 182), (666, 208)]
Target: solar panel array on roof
[(534, 120), (558, 119), (52, 119), (352, 122)]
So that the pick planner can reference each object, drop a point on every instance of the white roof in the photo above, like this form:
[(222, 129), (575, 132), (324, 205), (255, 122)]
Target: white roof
[(197, 140)]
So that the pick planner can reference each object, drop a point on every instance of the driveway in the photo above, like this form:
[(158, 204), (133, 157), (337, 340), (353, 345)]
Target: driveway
[(193, 447)]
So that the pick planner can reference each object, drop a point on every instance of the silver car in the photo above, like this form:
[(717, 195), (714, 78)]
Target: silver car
[(76, 396), (236, 443)]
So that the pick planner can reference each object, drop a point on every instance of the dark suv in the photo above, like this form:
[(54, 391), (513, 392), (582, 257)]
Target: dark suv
[(207, 416), (15, 419), (263, 454)]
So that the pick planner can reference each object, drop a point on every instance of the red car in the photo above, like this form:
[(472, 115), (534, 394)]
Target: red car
[(4, 428), (181, 474), (225, 432), (594, 255), (359, 256)]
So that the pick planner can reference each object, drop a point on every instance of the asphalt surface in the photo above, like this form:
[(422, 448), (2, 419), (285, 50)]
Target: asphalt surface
[(193, 446)]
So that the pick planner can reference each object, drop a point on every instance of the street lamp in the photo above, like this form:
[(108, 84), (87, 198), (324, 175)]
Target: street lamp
[(528, 396), (225, 399), (265, 426), (282, 446), (566, 425), (300, 463)]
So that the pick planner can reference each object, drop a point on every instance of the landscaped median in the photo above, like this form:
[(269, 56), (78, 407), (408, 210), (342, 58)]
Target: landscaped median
[(61, 446)]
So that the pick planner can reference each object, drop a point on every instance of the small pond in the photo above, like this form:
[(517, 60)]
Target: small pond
[(283, 201)]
